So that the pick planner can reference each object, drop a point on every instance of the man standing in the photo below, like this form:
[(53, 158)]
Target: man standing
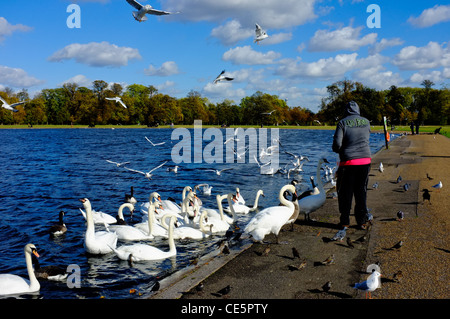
[(351, 142)]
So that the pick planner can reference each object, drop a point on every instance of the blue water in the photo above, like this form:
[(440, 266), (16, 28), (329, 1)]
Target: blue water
[(47, 170)]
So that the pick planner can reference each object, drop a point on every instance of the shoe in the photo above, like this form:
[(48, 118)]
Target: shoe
[(362, 226)]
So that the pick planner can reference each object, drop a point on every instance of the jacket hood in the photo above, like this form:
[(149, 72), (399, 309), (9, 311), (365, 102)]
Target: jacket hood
[(352, 108)]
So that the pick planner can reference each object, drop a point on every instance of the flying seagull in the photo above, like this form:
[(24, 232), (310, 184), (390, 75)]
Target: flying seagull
[(11, 107), (147, 175), (117, 99), (222, 77), (269, 113), (143, 10), (118, 164), (260, 34), (219, 172), (154, 144)]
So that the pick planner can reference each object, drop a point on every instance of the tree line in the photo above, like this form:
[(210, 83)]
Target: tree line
[(74, 104)]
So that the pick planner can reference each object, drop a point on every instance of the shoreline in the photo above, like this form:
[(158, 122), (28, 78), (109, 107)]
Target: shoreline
[(422, 259)]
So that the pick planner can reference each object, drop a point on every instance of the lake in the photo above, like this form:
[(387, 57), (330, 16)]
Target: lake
[(45, 171)]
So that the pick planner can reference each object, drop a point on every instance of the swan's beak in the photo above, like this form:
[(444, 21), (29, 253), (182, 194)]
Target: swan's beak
[(34, 251), (82, 200)]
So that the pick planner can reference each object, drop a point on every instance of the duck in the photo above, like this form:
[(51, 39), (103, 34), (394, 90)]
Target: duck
[(271, 219), (132, 233), (144, 252), (100, 242), (240, 208), (129, 198), (60, 228), (311, 203), (53, 273), (11, 284)]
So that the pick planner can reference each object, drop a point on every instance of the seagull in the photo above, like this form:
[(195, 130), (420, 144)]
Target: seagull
[(143, 10), (219, 172), (268, 113), (239, 155), (147, 175), (234, 138), (206, 189), (369, 285), (260, 34), (438, 185), (173, 169), (154, 143), (11, 107), (399, 179), (118, 164), (327, 286), (117, 99), (222, 77), (381, 168), (375, 186)]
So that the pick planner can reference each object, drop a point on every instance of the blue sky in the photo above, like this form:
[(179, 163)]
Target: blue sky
[(311, 44)]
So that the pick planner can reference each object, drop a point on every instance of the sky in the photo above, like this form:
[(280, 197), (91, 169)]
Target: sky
[(311, 44)]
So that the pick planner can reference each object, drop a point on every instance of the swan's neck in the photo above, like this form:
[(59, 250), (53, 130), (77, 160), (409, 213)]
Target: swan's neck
[(34, 283), (171, 239), (90, 226), (151, 215), (230, 204), (283, 200), (255, 205), (202, 220)]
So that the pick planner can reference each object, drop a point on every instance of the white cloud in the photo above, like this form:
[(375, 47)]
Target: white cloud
[(346, 38), (269, 14), (222, 90), (384, 44), (432, 55), (166, 69), (246, 55), (231, 32), (79, 79), (6, 29), (17, 78), (419, 77), (97, 54), (432, 16), (277, 38)]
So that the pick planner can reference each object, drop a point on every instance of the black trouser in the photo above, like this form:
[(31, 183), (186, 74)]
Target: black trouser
[(352, 181)]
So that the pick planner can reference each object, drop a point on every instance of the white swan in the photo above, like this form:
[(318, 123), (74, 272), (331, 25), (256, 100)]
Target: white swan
[(314, 201), (220, 222), (127, 232), (120, 219), (271, 219), (239, 197), (151, 225), (96, 242), (145, 252), (13, 284), (100, 217), (242, 208), (185, 231), (170, 206)]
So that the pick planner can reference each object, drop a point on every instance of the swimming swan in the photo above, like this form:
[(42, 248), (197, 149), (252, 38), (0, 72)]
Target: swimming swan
[(240, 208), (96, 242), (271, 219), (13, 284), (185, 231), (127, 232), (100, 217), (314, 201), (145, 252)]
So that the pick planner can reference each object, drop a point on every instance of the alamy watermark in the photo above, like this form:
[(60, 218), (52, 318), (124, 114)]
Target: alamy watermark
[(74, 19), (229, 148)]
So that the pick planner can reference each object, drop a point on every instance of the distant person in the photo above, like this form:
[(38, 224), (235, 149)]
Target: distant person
[(351, 142), (417, 128), (411, 126)]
